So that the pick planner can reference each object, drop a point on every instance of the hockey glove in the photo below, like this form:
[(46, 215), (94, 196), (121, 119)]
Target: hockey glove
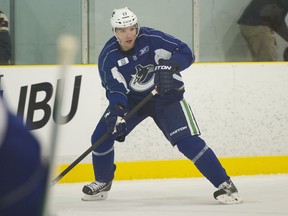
[(116, 125), (163, 79)]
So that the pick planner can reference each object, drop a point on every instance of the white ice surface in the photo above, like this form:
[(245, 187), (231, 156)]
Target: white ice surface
[(263, 195)]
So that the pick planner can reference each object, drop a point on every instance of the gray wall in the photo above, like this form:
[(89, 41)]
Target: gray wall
[(38, 24), (167, 15), (4, 6), (220, 39)]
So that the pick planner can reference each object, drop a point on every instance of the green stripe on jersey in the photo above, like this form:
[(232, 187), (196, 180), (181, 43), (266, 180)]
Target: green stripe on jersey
[(190, 118)]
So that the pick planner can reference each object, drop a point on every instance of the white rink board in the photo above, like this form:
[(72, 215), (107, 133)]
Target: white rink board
[(241, 110)]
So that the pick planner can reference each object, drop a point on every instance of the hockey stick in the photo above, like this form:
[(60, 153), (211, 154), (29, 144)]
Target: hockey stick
[(102, 139), (67, 48)]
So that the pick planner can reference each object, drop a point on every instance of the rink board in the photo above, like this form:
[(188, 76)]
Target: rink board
[(241, 109), (179, 169)]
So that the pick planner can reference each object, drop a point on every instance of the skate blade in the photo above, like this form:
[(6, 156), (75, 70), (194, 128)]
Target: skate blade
[(231, 199), (99, 196)]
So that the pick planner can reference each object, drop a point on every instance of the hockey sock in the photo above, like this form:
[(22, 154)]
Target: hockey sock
[(204, 159), (104, 166), (103, 156)]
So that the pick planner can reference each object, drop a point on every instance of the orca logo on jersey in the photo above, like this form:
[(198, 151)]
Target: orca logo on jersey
[(141, 81)]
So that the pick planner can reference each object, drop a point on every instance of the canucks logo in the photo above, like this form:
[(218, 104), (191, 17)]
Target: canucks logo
[(142, 80)]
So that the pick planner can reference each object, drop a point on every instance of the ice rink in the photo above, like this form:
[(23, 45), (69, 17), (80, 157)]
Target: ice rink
[(263, 195)]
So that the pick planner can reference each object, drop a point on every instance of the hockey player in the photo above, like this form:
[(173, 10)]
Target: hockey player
[(5, 41), (131, 65), (23, 176)]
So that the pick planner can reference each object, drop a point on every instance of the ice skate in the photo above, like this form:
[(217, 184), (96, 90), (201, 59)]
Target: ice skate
[(96, 191), (227, 193)]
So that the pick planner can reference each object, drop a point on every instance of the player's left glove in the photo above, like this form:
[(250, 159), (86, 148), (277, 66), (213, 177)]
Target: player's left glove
[(163, 79), (116, 125)]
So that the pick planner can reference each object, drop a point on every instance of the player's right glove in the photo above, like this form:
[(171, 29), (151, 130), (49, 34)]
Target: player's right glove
[(163, 79), (116, 125)]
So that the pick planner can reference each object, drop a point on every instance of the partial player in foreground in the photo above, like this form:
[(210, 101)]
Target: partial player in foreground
[(23, 175), (131, 65)]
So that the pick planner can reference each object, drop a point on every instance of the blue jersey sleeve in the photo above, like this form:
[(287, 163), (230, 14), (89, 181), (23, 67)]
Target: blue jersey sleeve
[(183, 55), (180, 51), (112, 80)]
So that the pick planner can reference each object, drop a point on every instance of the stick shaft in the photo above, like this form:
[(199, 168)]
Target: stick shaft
[(102, 139)]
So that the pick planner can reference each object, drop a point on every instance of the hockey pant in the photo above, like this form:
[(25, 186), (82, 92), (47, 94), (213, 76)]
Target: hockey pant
[(179, 126)]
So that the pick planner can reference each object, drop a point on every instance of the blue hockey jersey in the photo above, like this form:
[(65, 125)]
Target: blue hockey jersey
[(130, 74)]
